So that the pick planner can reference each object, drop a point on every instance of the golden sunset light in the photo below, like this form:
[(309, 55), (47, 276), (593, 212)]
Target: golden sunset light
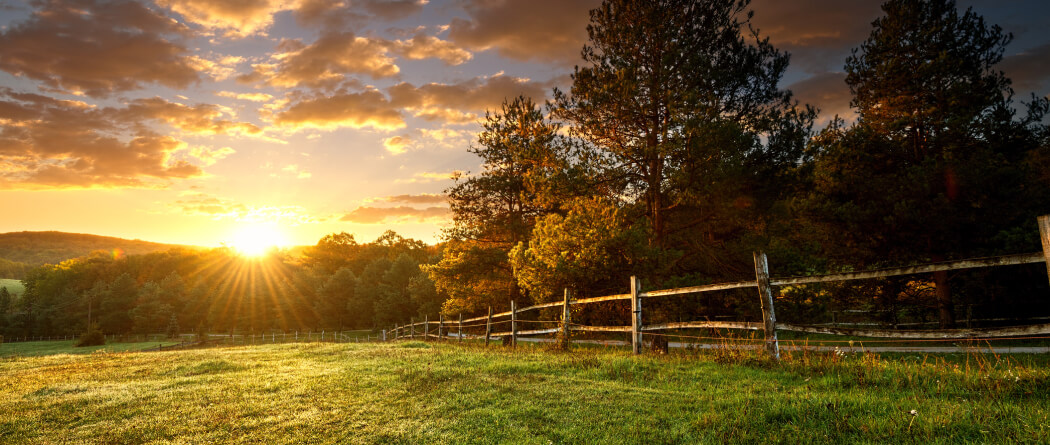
[(471, 221), (256, 240)]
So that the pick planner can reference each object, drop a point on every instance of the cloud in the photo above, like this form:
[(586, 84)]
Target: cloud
[(422, 198), (552, 31), (253, 97), (51, 143), (818, 33), (393, 9), (335, 57), (397, 144), (296, 171), (355, 110), (325, 63), (235, 17), (431, 177), (378, 215), (203, 119), (828, 92), (208, 156), (203, 204), (97, 48), (1029, 69), (460, 102), (422, 46)]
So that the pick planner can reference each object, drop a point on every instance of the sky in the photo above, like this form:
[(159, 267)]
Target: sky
[(198, 121)]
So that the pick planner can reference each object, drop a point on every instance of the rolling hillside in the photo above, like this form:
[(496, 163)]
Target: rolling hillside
[(35, 248)]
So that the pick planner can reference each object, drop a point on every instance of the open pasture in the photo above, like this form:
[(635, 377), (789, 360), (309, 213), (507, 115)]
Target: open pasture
[(414, 392)]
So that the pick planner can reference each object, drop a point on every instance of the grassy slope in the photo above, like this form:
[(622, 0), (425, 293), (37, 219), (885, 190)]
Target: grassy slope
[(13, 286), (54, 247), (417, 393)]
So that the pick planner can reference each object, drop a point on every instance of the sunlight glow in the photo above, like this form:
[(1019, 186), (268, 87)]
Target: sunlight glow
[(256, 240)]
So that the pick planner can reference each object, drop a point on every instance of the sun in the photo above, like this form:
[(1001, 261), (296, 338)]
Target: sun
[(255, 241)]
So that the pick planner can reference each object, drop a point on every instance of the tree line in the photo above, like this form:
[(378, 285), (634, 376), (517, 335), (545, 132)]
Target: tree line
[(675, 154), (336, 284)]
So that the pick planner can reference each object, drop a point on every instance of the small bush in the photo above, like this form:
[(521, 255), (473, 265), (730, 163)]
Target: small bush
[(93, 337)]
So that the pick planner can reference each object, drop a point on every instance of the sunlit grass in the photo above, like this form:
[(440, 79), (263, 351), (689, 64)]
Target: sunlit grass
[(414, 392)]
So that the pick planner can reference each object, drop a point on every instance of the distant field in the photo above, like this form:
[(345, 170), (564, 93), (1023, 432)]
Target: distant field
[(13, 286), (412, 392), (41, 348)]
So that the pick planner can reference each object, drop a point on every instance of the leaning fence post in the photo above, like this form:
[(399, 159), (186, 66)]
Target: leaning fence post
[(1044, 234), (765, 296), (412, 327), (636, 315), (441, 324), (459, 330), (565, 321), (488, 327), (513, 324)]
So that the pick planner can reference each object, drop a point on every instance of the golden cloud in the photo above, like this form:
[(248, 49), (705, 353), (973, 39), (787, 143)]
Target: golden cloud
[(378, 215), (355, 110), (431, 177), (69, 45), (429, 47), (50, 143), (224, 209), (397, 144), (422, 198), (453, 103), (199, 119), (325, 63), (235, 17), (542, 30), (253, 97)]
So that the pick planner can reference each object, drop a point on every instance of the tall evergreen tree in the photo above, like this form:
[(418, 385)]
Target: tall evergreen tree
[(682, 97), (936, 165)]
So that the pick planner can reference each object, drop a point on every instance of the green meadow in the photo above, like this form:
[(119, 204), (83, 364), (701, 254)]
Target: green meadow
[(15, 287), (414, 392)]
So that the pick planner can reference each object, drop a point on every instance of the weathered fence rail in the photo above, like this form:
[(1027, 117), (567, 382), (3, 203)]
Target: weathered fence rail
[(764, 284)]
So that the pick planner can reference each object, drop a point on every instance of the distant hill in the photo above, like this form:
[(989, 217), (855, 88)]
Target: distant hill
[(36, 248)]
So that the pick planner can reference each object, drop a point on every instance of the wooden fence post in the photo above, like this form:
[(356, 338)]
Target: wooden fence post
[(1044, 234), (412, 326), (488, 327), (426, 327), (441, 324), (765, 296), (513, 324), (565, 333), (384, 334), (459, 330), (636, 315)]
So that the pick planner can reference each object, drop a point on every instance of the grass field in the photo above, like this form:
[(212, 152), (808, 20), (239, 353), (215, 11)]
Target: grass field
[(39, 348), (13, 286), (411, 392)]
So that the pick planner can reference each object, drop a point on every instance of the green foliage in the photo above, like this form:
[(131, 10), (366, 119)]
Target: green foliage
[(93, 337), (588, 250), (528, 172), (682, 100), (13, 269), (938, 165), (220, 289), (35, 248)]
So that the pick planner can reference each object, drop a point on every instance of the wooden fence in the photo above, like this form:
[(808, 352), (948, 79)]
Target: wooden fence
[(762, 282)]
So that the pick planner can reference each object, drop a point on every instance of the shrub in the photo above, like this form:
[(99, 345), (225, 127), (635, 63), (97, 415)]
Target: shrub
[(93, 337)]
